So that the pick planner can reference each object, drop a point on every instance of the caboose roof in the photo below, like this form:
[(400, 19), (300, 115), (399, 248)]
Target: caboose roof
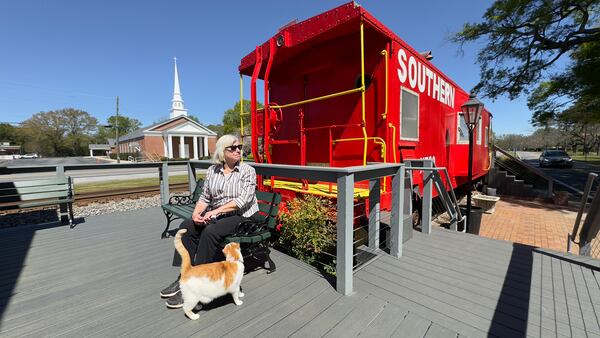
[(328, 25)]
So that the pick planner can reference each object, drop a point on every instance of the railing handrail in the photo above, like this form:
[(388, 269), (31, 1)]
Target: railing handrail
[(51, 168), (536, 171), (584, 198), (525, 164), (344, 177)]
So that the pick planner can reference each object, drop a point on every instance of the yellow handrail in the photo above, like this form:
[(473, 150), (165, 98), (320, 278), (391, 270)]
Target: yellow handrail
[(362, 93), (383, 150), (242, 112), (374, 138), (314, 99), (393, 140), (242, 107), (384, 53)]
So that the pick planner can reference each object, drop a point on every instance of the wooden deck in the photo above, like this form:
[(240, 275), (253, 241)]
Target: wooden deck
[(103, 277)]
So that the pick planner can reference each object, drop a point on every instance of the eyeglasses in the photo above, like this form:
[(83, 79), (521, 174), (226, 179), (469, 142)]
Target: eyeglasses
[(234, 148)]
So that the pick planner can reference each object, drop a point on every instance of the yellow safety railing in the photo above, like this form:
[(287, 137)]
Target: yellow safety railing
[(362, 93), (242, 107), (320, 98), (391, 125), (377, 140), (384, 53)]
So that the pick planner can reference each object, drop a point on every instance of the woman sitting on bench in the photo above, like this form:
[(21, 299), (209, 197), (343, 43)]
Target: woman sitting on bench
[(228, 198)]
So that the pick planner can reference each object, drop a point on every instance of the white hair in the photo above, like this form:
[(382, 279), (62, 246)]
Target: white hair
[(222, 143)]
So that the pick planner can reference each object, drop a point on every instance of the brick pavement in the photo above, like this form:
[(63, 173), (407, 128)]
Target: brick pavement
[(530, 222)]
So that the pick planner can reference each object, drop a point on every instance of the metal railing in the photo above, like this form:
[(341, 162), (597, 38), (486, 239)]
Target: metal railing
[(432, 178), (400, 218), (525, 171), (589, 243), (345, 179)]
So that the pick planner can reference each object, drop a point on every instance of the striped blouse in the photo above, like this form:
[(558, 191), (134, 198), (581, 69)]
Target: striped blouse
[(239, 186)]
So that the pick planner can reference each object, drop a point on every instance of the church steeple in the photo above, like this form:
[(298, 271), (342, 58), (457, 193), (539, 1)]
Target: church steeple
[(177, 108)]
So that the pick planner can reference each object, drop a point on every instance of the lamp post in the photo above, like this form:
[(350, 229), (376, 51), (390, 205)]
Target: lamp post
[(471, 113)]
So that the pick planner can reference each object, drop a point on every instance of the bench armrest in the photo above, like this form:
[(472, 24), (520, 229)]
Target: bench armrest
[(181, 200)]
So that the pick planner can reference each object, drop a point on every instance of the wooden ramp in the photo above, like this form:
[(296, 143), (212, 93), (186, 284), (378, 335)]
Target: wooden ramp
[(103, 278)]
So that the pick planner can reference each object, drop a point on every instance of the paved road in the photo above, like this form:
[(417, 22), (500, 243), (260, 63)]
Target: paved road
[(84, 176), (575, 177)]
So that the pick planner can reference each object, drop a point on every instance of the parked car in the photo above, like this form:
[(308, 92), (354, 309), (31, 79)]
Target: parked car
[(557, 158), (32, 155)]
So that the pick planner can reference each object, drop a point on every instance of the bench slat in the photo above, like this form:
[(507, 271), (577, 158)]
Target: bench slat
[(36, 203), (34, 196), (33, 189), (18, 184)]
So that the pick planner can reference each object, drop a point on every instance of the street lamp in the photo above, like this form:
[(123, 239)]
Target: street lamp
[(471, 113)]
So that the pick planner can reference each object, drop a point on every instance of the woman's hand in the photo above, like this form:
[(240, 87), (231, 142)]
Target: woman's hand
[(199, 219), (211, 214)]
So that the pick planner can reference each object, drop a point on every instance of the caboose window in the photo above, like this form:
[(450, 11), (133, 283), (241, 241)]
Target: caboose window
[(487, 137), (479, 123), (409, 115), (462, 131)]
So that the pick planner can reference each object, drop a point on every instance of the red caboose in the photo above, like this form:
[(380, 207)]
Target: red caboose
[(341, 89)]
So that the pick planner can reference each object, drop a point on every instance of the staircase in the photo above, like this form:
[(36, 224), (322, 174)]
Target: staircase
[(513, 177), (508, 184)]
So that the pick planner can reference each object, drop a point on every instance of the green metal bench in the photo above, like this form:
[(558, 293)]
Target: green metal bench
[(253, 236), (38, 193), (181, 206)]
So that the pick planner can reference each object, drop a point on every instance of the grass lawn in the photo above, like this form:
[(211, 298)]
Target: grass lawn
[(591, 158), (83, 188)]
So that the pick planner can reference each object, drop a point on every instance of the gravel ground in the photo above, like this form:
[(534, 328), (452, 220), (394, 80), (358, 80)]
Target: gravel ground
[(26, 217)]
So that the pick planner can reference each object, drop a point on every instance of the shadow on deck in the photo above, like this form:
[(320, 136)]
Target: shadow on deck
[(103, 277)]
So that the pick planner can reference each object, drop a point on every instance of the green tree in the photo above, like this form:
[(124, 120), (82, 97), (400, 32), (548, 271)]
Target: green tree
[(64, 132), (9, 133), (217, 128), (126, 125), (524, 38), (231, 118), (577, 89)]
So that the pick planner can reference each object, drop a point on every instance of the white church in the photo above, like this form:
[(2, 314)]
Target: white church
[(177, 137)]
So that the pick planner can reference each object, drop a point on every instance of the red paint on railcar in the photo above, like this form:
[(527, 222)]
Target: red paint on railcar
[(322, 55)]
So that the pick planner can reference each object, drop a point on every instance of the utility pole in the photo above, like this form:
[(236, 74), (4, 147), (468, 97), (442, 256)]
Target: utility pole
[(117, 132)]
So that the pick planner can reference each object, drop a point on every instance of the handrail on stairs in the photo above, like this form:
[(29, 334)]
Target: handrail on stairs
[(529, 167), (584, 199), (449, 199)]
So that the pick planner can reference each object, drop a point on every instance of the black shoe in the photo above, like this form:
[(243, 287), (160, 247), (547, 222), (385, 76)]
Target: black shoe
[(170, 290), (175, 301)]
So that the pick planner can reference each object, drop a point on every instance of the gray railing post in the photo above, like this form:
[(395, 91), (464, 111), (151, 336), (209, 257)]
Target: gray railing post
[(397, 213), (374, 212), (163, 176), (427, 197), (60, 173), (550, 188), (345, 213), (191, 176), (590, 228)]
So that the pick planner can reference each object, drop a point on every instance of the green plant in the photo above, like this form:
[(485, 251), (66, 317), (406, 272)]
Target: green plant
[(308, 230)]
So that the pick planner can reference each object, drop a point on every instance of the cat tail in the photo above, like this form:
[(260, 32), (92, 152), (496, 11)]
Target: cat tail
[(186, 263)]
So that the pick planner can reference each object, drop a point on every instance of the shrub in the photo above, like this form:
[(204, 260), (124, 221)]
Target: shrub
[(308, 230)]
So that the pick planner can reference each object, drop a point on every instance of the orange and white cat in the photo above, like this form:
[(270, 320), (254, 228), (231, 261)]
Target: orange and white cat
[(205, 282)]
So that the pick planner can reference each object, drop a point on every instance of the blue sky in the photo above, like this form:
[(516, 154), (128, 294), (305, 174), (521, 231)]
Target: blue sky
[(82, 54)]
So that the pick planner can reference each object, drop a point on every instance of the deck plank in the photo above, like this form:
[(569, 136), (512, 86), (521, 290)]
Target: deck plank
[(102, 279), (386, 322), (358, 318)]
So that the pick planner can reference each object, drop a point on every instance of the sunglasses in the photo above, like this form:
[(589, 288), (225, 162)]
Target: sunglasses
[(234, 148)]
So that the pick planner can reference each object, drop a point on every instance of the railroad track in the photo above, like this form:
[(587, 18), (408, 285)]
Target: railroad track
[(121, 194)]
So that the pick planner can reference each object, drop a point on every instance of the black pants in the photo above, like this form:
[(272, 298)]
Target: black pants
[(202, 241)]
